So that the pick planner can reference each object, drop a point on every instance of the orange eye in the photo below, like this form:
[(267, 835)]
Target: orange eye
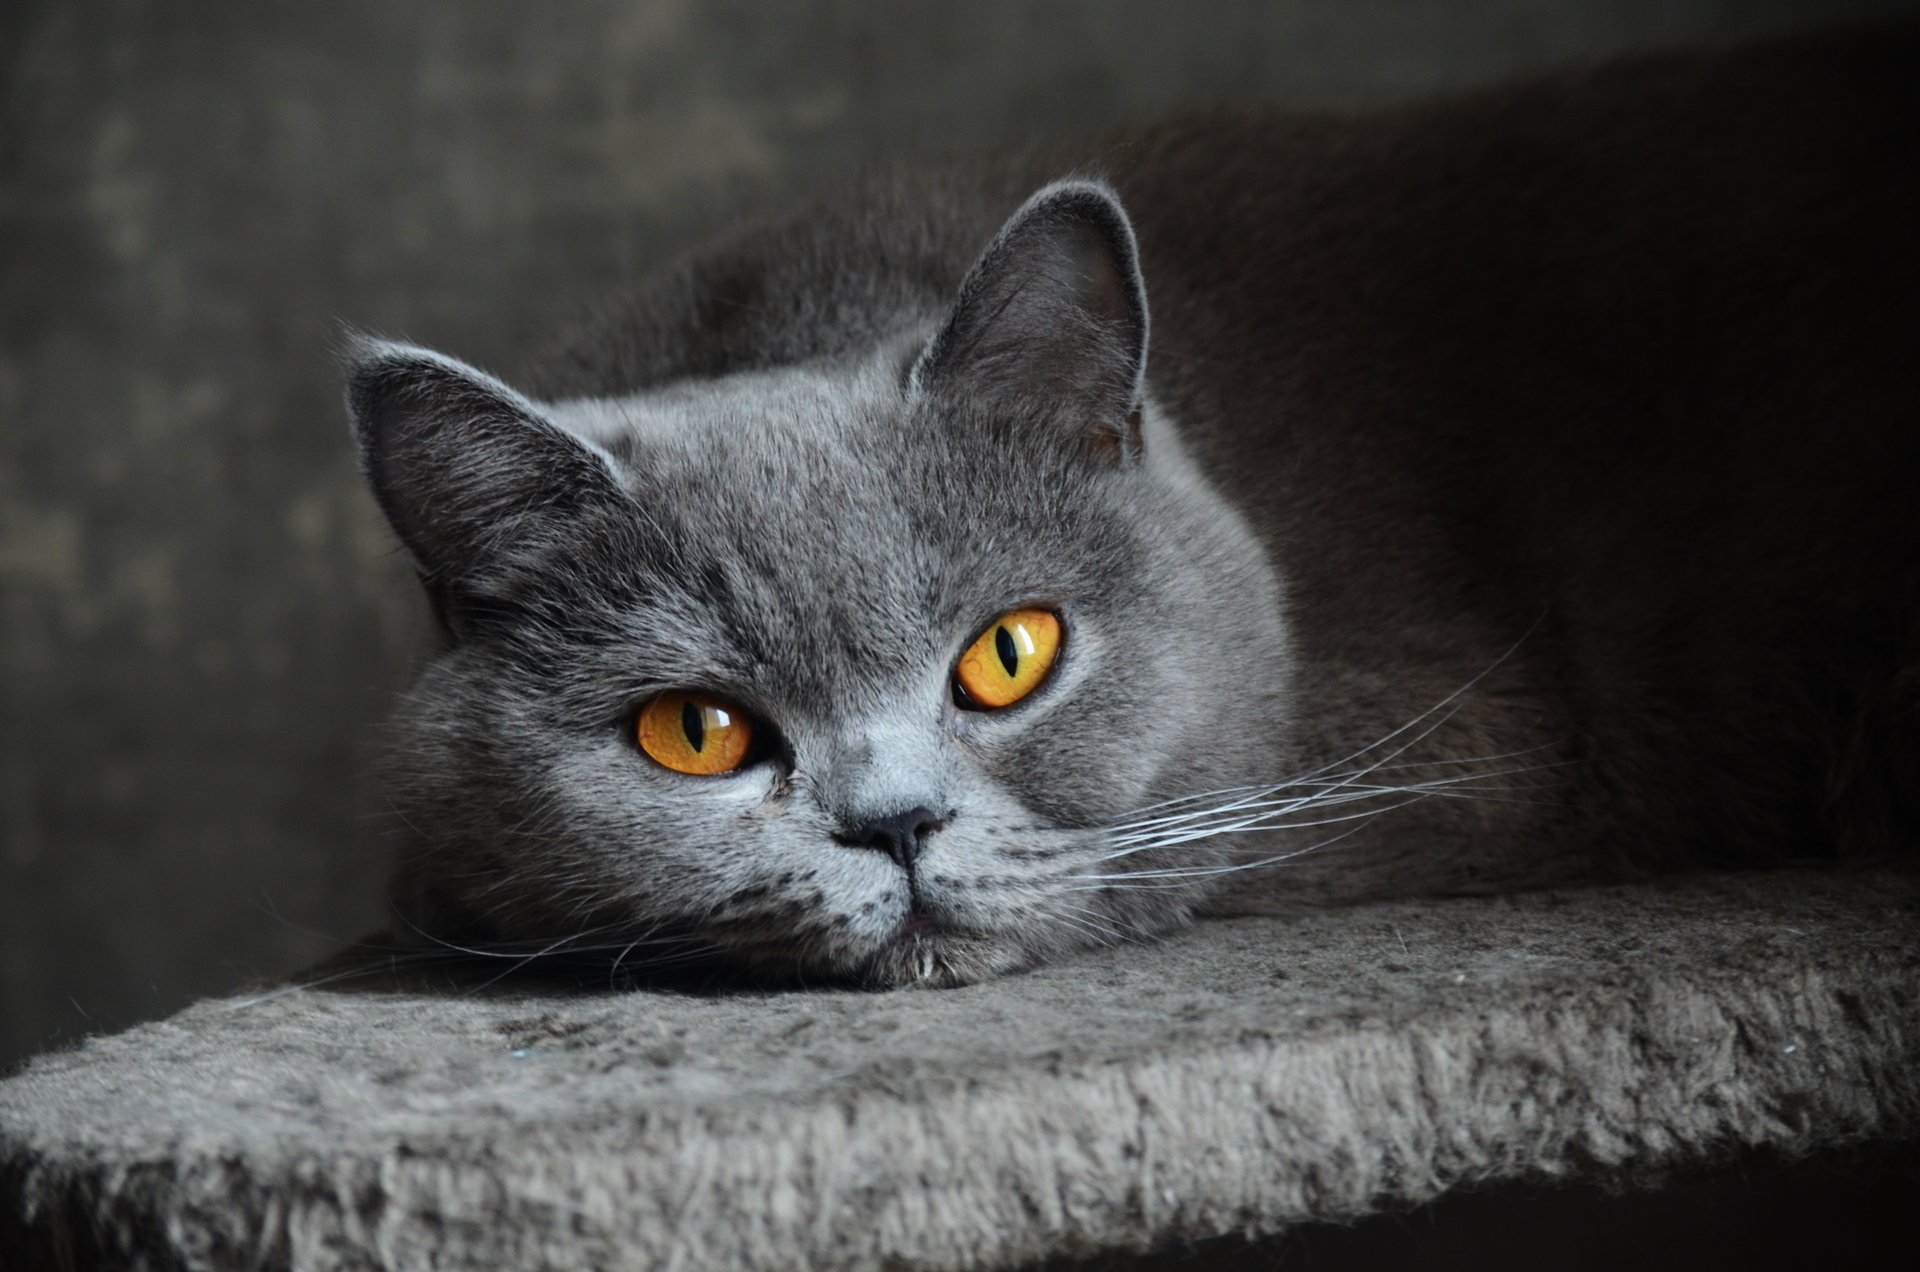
[(692, 733), (1010, 658)]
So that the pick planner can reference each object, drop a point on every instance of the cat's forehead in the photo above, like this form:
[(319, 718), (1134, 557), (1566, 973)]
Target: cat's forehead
[(784, 513), (813, 410), (838, 458)]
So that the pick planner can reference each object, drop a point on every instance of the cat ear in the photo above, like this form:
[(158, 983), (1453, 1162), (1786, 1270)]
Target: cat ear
[(466, 469), (1055, 310)]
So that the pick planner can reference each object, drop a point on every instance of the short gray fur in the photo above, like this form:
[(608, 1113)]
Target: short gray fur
[(819, 542), (1504, 490)]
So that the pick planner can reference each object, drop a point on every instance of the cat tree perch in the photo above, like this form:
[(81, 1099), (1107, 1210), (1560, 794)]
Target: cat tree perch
[(1248, 1076)]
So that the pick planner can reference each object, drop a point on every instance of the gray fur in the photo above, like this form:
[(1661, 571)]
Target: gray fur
[(819, 544), (1376, 565)]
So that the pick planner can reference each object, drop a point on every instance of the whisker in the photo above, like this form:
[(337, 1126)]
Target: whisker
[(484, 953), (1101, 935), (1261, 821), (1378, 742), (409, 958), (1365, 814), (1309, 779), (1275, 810), (1169, 876), (1331, 793), (1113, 921), (1275, 807), (537, 954), (1169, 879), (1321, 793)]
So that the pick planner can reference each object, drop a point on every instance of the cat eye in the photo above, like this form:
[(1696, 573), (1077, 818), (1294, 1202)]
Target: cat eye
[(1008, 660), (694, 733)]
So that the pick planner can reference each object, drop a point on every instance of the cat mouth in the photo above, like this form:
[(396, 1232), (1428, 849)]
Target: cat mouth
[(929, 923), (921, 924), (932, 953), (923, 930)]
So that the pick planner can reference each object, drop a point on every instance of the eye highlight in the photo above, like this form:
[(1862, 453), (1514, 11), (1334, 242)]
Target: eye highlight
[(1008, 660), (693, 733)]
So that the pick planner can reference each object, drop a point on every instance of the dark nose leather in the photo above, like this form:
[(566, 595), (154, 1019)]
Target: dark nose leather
[(899, 835)]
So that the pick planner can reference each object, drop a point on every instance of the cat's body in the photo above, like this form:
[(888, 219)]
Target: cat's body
[(1553, 445)]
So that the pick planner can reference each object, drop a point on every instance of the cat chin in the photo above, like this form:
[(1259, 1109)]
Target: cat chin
[(941, 961)]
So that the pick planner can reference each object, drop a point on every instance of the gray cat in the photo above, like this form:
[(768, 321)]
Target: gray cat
[(1508, 490)]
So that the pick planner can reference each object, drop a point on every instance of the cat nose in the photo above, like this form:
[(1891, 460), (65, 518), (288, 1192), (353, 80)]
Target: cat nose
[(899, 835)]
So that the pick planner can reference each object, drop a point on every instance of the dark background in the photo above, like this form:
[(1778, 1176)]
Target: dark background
[(202, 617)]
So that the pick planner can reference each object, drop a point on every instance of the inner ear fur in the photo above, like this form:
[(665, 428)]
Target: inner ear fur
[(466, 469), (1054, 311)]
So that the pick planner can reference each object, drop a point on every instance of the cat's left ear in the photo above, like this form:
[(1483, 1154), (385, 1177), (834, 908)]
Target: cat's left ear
[(1054, 311)]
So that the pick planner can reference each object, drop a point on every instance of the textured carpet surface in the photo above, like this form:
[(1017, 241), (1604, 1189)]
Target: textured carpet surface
[(1247, 1076)]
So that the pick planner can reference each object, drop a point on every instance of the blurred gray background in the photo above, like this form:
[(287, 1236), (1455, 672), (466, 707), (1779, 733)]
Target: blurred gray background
[(202, 617)]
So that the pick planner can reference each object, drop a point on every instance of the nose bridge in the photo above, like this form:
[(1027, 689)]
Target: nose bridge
[(884, 765)]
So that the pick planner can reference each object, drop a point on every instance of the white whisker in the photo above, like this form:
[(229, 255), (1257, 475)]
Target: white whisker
[(1256, 790), (1271, 813), (1308, 779), (1172, 878), (1176, 871)]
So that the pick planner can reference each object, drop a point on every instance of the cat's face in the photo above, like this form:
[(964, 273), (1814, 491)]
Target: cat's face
[(815, 550)]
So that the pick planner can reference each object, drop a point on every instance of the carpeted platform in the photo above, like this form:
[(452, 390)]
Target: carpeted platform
[(1248, 1076)]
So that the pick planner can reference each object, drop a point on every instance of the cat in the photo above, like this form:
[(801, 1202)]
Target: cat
[(1259, 510)]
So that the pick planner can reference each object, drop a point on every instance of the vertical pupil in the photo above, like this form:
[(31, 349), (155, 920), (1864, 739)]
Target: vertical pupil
[(693, 723), (1003, 645)]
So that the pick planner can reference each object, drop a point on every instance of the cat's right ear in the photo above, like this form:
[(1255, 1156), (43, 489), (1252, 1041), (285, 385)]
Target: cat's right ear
[(467, 471)]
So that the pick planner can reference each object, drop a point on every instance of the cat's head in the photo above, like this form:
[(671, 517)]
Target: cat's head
[(704, 689)]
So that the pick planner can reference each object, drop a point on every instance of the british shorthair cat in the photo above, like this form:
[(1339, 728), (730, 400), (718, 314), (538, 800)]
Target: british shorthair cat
[(1258, 510)]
